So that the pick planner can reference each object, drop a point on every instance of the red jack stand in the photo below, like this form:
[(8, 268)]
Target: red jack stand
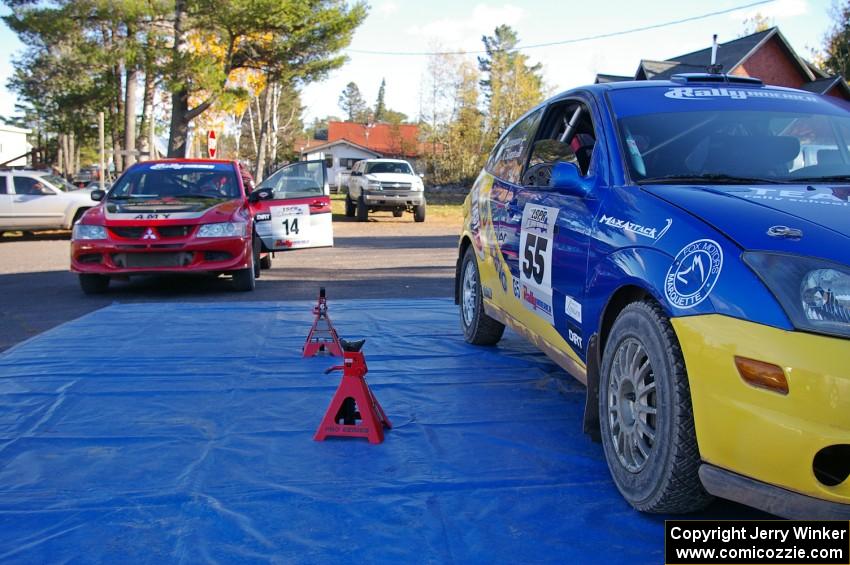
[(341, 418), (322, 339)]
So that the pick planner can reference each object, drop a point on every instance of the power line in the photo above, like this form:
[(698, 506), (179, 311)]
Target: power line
[(573, 40)]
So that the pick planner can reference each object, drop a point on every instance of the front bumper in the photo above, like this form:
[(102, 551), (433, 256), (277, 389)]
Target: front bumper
[(760, 434), (109, 257), (393, 198)]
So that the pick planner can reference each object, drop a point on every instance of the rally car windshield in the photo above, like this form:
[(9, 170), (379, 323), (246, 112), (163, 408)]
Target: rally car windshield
[(737, 146), (177, 181)]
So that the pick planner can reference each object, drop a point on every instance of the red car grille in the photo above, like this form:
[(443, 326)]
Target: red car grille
[(160, 231), (152, 260)]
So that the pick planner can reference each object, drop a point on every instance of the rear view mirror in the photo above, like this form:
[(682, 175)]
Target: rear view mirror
[(260, 194), (97, 195), (566, 178)]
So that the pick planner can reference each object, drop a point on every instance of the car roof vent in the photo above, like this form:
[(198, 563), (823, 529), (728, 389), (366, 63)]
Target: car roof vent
[(687, 78)]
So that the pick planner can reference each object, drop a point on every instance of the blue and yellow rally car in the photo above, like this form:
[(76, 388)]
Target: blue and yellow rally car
[(683, 248)]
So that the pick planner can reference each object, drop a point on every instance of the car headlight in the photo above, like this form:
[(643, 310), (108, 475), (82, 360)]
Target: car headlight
[(86, 231), (224, 229), (814, 293), (417, 184)]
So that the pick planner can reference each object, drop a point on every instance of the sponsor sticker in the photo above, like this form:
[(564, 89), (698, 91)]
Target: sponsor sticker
[(288, 226), (179, 166), (263, 217), (693, 274), (575, 338), (627, 226), (538, 302), (688, 93), (817, 197), (572, 308)]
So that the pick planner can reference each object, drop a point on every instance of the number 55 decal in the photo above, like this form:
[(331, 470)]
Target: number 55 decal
[(536, 243)]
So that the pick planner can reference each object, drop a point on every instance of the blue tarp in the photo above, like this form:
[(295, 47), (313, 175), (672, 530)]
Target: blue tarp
[(183, 433)]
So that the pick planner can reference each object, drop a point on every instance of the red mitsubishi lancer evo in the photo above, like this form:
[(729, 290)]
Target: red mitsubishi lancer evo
[(198, 216)]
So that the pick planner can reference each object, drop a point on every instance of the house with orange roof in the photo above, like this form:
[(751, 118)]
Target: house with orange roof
[(349, 142)]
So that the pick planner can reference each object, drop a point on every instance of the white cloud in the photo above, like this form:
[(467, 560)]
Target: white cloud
[(465, 33), (778, 10), (387, 8)]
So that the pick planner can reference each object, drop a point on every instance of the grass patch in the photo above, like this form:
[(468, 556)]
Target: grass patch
[(444, 206)]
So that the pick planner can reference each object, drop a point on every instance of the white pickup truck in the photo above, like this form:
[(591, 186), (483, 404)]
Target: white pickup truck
[(384, 184)]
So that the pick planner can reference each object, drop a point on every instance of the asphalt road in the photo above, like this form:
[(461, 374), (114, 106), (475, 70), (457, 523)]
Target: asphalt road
[(383, 258)]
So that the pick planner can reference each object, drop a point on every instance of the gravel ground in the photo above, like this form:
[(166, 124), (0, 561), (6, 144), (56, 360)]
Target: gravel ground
[(384, 258)]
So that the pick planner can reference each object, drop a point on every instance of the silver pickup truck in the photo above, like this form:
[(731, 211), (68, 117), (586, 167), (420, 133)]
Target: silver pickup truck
[(384, 184)]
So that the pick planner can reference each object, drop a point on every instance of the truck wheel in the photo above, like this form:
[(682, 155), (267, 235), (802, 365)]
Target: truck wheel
[(397, 213), (478, 327), (94, 284), (362, 210), (349, 207), (266, 261), (244, 280), (419, 213), (646, 417)]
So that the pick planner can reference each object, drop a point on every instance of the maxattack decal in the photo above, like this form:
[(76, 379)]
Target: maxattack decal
[(645, 231), (694, 273), (535, 273)]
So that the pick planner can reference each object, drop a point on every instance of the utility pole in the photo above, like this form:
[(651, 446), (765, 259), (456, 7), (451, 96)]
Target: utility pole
[(102, 148)]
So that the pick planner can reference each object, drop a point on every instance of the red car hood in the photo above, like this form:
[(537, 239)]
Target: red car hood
[(189, 210)]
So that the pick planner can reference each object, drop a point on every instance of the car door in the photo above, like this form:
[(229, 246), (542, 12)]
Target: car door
[(7, 217), (292, 207), (36, 204), (495, 219), (556, 229)]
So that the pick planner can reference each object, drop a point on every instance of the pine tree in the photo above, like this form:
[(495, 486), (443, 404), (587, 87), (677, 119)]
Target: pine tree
[(380, 105), (352, 103), (837, 57), (511, 85)]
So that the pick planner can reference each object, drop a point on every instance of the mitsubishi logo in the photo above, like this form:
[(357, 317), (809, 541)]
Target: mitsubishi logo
[(149, 234)]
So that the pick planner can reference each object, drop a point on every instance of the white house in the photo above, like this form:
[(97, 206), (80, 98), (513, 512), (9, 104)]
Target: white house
[(339, 156), (13, 143)]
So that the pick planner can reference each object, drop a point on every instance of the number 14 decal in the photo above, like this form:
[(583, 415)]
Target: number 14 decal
[(291, 227)]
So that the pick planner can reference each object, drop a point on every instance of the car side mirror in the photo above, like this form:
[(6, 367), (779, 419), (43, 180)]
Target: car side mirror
[(567, 179), (260, 194), (97, 195), (422, 175)]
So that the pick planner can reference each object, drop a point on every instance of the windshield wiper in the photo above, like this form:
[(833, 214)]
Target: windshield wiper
[(708, 178), (830, 178)]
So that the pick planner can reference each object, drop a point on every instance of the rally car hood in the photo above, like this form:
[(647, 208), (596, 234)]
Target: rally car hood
[(170, 208), (755, 217)]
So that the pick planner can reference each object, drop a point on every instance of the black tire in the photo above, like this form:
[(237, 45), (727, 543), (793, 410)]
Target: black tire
[(645, 414), (362, 210), (419, 213), (244, 280), (266, 261), (257, 246), (478, 327), (94, 284), (350, 208), (397, 213)]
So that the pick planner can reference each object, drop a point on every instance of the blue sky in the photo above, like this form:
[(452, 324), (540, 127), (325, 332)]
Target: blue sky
[(414, 25)]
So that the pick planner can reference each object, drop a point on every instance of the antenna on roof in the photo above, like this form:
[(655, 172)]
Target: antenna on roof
[(714, 68)]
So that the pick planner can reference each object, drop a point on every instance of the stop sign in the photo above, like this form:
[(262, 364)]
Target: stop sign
[(211, 143)]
